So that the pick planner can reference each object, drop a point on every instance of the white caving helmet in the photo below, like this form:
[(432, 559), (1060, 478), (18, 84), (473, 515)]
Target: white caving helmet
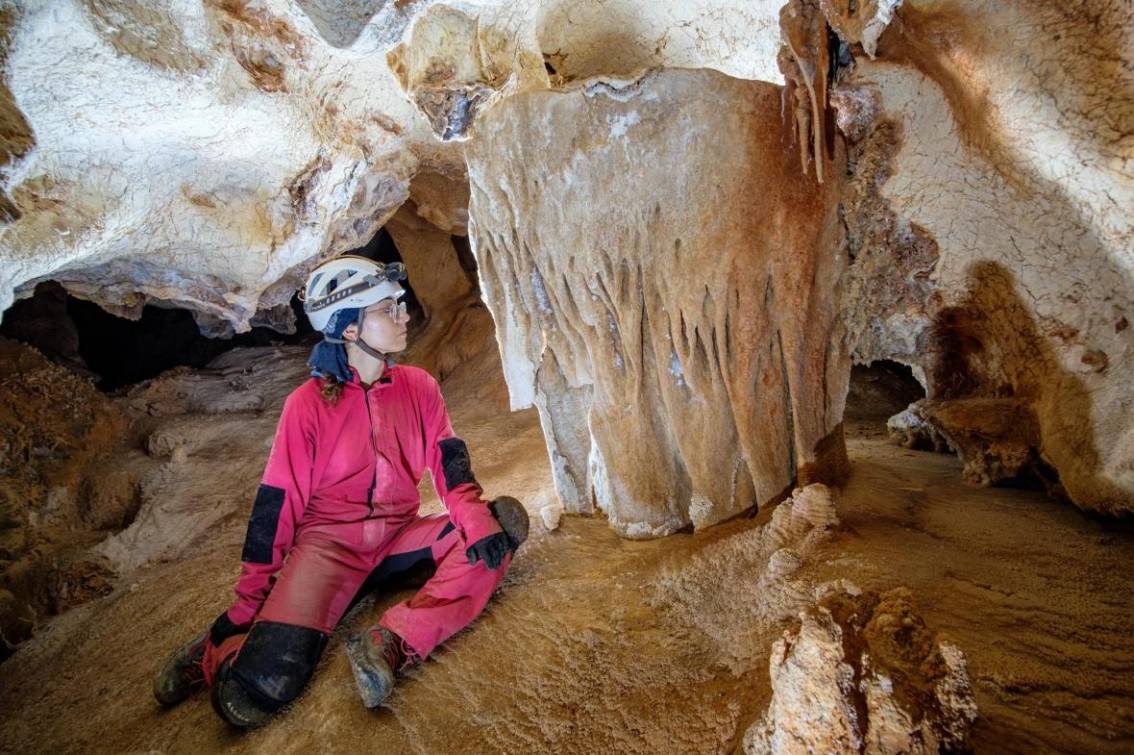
[(349, 281)]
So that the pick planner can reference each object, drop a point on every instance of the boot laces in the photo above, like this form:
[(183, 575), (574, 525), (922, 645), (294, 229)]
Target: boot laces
[(393, 648), (191, 665)]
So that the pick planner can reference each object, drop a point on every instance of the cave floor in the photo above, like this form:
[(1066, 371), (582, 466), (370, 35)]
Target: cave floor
[(574, 655)]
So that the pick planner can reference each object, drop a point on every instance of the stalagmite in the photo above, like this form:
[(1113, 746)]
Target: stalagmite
[(862, 673)]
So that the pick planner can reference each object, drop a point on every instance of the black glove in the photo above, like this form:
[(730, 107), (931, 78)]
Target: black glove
[(223, 628), (491, 550)]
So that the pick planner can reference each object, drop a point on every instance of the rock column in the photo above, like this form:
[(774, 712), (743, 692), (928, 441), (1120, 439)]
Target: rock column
[(662, 275)]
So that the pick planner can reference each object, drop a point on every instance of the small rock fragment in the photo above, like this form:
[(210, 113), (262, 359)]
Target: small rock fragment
[(550, 516)]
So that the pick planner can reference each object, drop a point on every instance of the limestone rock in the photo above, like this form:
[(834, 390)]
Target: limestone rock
[(680, 342), (56, 433), (990, 216), (454, 325), (201, 468), (908, 428), (860, 22), (996, 438), (342, 22), (812, 707), (442, 200), (200, 156), (457, 61), (862, 673), (550, 515)]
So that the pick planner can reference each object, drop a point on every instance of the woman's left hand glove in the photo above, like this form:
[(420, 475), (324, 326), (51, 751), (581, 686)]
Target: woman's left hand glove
[(223, 628), (491, 550)]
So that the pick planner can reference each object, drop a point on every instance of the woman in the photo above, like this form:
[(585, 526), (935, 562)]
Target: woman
[(337, 513)]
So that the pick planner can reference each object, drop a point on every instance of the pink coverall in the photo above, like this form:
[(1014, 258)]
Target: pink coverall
[(339, 499)]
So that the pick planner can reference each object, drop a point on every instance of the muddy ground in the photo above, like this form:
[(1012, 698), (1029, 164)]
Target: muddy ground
[(594, 643)]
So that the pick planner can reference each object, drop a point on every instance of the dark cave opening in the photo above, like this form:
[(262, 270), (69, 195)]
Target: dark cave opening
[(880, 390), (116, 352)]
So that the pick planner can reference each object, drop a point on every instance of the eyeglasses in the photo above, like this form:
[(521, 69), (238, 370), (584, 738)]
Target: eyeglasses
[(395, 311)]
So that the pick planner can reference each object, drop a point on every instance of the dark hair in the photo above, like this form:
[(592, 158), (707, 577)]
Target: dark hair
[(332, 389)]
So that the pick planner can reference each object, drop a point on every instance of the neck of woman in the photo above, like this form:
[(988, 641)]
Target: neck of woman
[(370, 367)]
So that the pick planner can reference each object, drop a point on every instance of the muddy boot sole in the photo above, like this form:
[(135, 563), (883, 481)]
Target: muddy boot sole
[(373, 677), (232, 703)]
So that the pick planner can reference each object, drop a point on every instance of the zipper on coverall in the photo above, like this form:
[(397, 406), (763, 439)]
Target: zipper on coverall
[(374, 448)]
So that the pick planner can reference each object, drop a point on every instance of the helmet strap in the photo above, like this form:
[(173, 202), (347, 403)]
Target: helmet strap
[(367, 349), (363, 345)]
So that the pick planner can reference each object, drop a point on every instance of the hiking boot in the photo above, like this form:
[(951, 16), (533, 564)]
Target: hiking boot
[(232, 703), (183, 674), (376, 656), (513, 519)]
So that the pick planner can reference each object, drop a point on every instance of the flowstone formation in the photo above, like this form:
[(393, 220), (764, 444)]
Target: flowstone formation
[(738, 591), (663, 294)]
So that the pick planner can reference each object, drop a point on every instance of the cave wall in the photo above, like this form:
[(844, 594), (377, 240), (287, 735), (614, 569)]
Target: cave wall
[(996, 234), (66, 481), (454, 326)]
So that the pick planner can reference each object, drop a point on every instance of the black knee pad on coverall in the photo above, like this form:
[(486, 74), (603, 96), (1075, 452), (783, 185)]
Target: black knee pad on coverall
[(275, 663)]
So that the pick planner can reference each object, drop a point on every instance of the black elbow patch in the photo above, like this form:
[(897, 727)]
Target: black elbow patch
[(262, 525), (455, 462)]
